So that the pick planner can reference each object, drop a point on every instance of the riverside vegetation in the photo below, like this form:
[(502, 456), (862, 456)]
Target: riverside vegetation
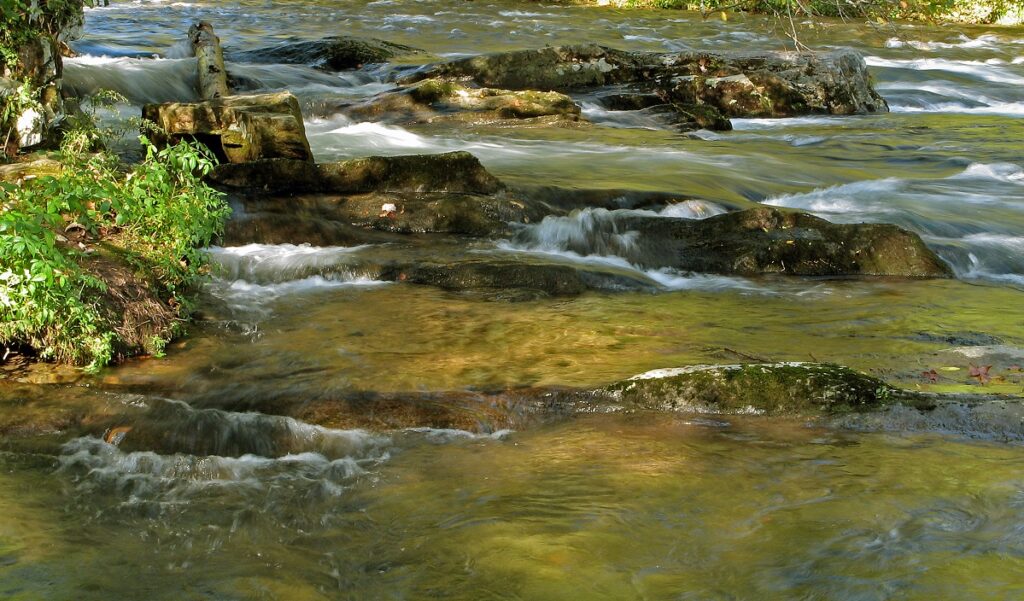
[(100, 257)]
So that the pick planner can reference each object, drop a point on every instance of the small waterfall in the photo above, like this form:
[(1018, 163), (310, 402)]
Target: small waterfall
[(597, 236), (140, 80), (584, 232), (599, 232), (249, 277)]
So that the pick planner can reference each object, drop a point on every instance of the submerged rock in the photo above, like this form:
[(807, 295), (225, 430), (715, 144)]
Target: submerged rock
[(404, 213), (770, 389), (449, 172), (238, 129), (436, 99), (336, 53), (510, 279), (761, 388), (735, 84)]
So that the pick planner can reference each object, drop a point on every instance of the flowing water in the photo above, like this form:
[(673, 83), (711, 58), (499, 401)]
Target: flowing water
[(214, 495)]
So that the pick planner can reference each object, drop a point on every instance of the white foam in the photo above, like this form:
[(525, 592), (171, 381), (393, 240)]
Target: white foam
[(448, 435), (368, 135), (783, 122), (841, 199), (983, 41), (278, 263), (1003, 172), (692, 209), (997, 108), (141, 80)]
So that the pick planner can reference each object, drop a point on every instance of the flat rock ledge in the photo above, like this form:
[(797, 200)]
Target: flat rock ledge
[(237, 129), (448, 172)]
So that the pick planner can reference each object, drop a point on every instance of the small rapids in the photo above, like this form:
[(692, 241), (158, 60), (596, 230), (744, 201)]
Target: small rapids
[(982, 244), (249, 277), (596, 237)]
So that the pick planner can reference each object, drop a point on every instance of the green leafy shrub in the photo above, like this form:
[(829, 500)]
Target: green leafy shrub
[(157, 215)]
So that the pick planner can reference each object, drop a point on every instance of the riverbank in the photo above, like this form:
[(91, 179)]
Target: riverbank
[(101, 258)]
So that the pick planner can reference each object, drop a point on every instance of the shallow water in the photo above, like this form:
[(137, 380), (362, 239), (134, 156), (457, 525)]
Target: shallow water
[(603, 508), (214, 504)]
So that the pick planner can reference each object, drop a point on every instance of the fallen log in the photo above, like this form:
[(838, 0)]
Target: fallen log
[(213, 77)]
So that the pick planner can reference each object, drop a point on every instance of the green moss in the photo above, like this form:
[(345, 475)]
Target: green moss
[(772, 389), (434, 90)]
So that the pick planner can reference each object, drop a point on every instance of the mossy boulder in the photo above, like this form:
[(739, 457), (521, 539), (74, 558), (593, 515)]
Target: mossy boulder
[(436, 99), (762, 389), (774, 84), (769, 240), (336, 53), (448, 172)]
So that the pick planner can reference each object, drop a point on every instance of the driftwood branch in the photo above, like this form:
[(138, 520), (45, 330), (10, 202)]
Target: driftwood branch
[(213, 78)]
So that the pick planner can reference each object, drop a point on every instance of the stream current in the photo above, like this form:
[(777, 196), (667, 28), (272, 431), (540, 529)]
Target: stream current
[(225, 499)]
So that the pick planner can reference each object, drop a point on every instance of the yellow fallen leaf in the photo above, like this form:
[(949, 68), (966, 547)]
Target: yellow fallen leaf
[(950, 368), (725, 17)]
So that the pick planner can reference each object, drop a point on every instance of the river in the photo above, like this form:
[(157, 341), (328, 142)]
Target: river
[(228, 499)]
